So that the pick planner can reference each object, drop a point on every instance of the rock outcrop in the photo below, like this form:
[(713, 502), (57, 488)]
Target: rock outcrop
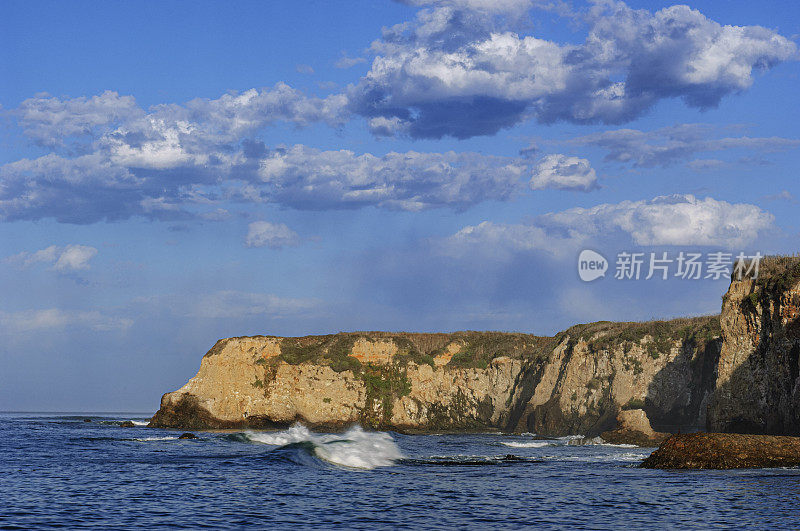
[(663, 367), (633, 427), (725, 450), (757, 386), (576, 382), (460, 381)]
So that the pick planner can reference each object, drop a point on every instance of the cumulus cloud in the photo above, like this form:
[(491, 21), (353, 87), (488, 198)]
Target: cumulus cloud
[(57, 319), (68, 258), (561, 172), (304, 177), (272, 235), (671, 145), (170, 178), (50, 120), (166, 135), (455, 71), (663, 221)]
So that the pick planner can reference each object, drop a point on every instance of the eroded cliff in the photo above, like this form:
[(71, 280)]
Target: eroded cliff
[(576, 382), (758, 376)]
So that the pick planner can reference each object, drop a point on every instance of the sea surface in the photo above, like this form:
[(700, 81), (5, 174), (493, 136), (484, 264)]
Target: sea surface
[(56, 470)]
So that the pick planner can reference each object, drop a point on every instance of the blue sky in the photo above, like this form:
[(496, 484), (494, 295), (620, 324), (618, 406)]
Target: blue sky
[(172, 173)]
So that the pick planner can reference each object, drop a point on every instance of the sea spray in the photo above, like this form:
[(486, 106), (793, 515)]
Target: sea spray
[(355, 448), (532, 444)]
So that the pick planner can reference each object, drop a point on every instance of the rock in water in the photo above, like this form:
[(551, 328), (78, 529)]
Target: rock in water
[(725, 450), (187, 436), (127, 424), (87, 420), (633, 427)]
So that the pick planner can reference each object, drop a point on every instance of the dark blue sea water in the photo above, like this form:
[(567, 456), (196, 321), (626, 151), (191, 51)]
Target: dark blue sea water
[(59, 471)]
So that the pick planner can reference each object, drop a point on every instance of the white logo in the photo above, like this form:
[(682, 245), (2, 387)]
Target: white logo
[(591, 265)]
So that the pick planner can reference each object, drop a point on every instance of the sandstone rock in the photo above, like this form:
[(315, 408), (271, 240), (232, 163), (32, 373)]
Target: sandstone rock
[(633, 427), (665, 367), (758, 384), (725, 450), (574, 383), (127, 424)]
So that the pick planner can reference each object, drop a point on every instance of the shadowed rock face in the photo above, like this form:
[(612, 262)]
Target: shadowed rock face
[(758, 374), (576, 382), (725, 450)]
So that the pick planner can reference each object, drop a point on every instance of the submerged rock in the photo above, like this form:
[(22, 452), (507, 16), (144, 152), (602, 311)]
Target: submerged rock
[(725, 450), (187, 436), (127, 424), (633, 427)]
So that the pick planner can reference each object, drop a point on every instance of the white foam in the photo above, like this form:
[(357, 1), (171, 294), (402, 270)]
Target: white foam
[(140, 422), (355, 448), (143, 439), (532, 444)]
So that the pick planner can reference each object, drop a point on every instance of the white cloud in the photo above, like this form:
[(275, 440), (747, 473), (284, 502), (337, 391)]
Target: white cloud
[(272, 235), (71, 257), (309, 178), (57, 319), (669, 220), (457, 71), (50, 120), (560, 172)]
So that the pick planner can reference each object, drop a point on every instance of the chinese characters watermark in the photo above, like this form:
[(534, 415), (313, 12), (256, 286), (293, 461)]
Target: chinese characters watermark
[(663, 265)]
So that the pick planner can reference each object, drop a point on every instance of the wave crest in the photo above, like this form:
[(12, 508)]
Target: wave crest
[(355, 448)]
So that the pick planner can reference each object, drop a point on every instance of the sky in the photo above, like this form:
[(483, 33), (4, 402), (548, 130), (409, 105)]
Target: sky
[(172, 173)]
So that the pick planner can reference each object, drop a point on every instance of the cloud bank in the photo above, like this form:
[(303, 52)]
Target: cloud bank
[(458, 70)]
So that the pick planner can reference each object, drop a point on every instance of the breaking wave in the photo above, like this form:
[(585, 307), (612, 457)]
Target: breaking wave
[(569, 440), (355, 448), (532, 444)]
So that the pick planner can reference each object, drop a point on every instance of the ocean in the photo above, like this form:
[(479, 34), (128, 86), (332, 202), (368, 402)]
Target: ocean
[(58, 471)]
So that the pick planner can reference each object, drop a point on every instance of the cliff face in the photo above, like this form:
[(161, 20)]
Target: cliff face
[(757, 388), (576, 382), (457, 381), (665, 368), (739, 372)]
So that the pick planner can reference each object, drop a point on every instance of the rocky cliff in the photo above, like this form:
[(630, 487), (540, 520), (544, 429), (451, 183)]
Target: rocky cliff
[(575, 382), (757, 388)]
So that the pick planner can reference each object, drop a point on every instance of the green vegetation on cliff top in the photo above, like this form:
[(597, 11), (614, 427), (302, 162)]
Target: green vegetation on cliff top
[(478, 349), (776, 275), (605, 335)]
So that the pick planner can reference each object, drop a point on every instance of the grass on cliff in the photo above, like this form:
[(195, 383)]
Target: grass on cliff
[(332, 350), (694, 332), (776, 274), (478, 349)]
